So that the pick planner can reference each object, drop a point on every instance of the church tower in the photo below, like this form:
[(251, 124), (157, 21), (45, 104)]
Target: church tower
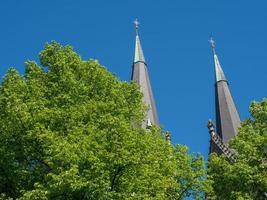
[(227, 117), (141, 77)]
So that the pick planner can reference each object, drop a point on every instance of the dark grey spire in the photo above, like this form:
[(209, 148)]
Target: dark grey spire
[(140, 75), (227, 117)]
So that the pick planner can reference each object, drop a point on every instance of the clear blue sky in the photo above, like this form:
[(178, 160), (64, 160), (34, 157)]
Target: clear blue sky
[(174, 36)]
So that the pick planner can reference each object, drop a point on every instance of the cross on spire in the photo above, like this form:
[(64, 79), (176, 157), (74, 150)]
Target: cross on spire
[(136, 23), (213, 44)]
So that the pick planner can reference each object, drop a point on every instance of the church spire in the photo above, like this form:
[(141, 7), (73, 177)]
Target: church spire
[(138, 56), (227, 117), (140, 75), (218, 69)]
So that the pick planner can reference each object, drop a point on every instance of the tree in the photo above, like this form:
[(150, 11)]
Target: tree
[(247, 177), (190, 174), (68, 130)]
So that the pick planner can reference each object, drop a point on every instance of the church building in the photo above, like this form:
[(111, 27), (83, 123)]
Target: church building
[(227, 117)]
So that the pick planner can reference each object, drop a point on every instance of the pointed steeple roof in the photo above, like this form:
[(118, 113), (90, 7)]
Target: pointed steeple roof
[(219, 74), (141, 76), (138, 55), (218, 69), (227, 117)]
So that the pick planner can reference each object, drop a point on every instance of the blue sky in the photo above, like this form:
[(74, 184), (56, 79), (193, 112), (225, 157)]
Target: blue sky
[(174, 36)]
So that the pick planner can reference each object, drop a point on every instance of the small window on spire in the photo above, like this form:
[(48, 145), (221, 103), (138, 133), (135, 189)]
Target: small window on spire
[(148, 123)]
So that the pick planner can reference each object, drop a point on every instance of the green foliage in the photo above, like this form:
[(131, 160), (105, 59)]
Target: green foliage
[(247, 177), (68, 131), (189, 174)]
